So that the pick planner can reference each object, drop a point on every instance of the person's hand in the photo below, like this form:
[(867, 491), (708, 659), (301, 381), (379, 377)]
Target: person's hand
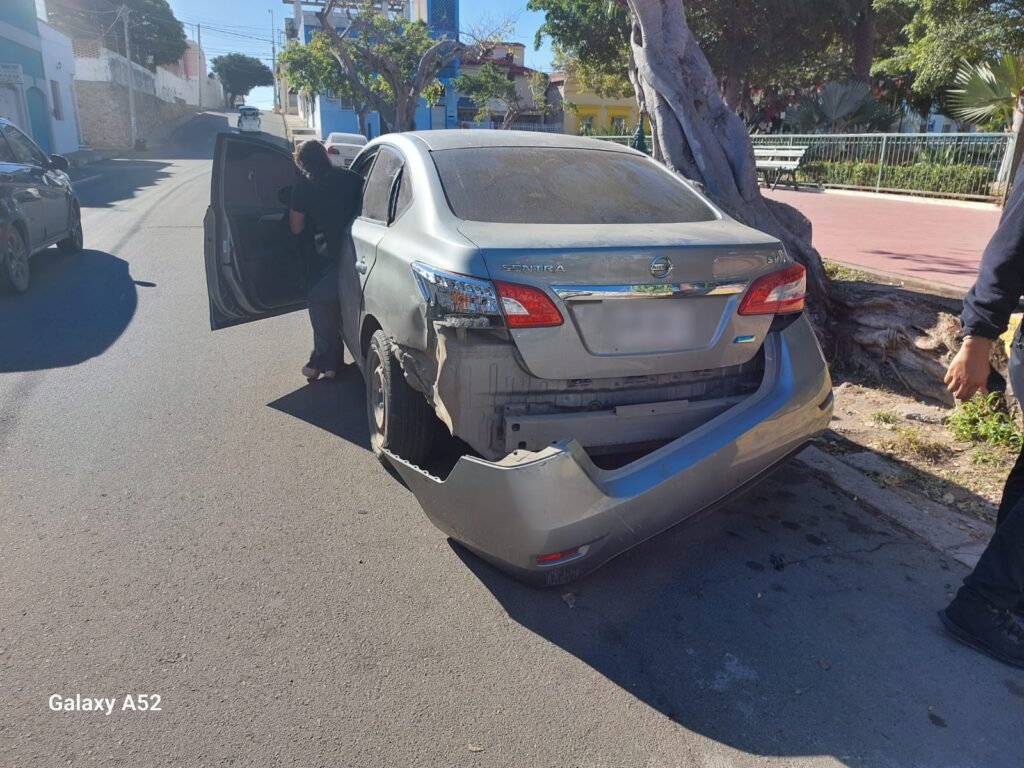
[(968, 373)]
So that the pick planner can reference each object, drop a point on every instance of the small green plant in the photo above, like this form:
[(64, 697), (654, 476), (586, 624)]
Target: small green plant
[(984, 420), (981, 457), (910, 442), (844, 274), (885, 418)]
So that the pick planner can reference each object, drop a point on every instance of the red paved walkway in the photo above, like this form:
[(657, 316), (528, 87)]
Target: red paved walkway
[(922, 240)]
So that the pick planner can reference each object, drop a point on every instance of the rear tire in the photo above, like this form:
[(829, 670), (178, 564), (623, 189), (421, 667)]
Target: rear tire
[(399, 418), (14, 270), (75, 242)]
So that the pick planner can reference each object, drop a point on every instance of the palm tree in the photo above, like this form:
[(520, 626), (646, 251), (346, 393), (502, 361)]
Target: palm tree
[(838, 107), (990, 94)]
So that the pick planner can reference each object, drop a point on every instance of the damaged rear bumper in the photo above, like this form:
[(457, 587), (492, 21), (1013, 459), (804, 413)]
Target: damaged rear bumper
[(522, 509)]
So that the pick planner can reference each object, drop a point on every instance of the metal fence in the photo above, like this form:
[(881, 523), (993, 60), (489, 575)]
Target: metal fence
[(968, 166), (496, 125), (971, 166)]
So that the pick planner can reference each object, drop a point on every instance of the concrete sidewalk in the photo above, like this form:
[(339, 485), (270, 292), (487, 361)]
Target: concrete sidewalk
[(932, 241)]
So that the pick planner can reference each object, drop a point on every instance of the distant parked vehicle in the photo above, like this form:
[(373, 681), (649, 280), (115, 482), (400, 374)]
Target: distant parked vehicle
[(343, 147), (38, 206), (249, 120)]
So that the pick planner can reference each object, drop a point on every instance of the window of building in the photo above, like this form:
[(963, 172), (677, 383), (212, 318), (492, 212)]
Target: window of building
[(587, 125), (58, 105), (619, 126)]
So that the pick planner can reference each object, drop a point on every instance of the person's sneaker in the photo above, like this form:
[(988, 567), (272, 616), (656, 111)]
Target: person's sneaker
[(311, 373), (330, 375), (995, 632)]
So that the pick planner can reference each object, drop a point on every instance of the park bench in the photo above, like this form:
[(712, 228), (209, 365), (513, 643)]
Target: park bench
[(774, 163)]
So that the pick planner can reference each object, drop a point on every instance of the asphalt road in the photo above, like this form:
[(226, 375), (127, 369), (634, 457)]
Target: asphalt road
[(180, 514)]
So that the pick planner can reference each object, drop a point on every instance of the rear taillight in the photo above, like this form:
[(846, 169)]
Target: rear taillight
[(527, 307), (332, 150), (779, 293), (470, 302)]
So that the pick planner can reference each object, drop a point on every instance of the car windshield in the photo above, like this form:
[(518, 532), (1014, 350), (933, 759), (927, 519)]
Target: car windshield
[(550, 185)]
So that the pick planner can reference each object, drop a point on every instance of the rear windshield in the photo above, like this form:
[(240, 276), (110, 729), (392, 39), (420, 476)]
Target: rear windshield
[(549, 185)]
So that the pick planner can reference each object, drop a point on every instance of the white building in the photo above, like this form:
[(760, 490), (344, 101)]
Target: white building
[(59, 64)]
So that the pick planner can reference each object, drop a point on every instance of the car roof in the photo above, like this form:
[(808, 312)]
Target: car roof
[(437, 141)]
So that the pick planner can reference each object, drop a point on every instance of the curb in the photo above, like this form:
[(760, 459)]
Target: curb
[(956, 535), (896, 280)]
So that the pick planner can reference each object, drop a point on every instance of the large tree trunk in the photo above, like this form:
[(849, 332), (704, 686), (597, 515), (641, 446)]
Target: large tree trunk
[(696, 134), (864, 36)]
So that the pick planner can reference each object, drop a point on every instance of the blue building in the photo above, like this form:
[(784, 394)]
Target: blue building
[(23, 83), (328, 114)]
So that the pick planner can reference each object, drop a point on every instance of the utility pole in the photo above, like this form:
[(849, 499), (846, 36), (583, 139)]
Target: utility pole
[(273, 55), (200, 62), (131, 79)]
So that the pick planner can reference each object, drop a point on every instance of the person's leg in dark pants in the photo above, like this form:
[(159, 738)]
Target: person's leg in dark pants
[(985, 612), (325, 317)]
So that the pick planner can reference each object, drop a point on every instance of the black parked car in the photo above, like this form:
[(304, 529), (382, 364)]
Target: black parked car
[(38, 206)]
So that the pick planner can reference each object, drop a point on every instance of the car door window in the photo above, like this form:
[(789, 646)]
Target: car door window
[(6, 153), (377, 193), (404, 197), (24, 150)]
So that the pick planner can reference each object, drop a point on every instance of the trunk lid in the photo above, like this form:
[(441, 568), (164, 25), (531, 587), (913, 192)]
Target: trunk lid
[(636, 299)]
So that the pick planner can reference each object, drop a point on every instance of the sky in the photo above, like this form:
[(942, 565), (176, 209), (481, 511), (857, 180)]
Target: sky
[(244, 26)]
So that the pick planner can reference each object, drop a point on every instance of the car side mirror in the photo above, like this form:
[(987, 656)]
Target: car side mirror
[(284, 196), (59, 163)]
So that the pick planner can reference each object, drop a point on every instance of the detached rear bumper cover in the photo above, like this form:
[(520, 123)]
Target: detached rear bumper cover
[(532, 504)]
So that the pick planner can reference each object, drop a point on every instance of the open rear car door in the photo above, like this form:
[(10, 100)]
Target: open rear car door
[(255, 268)]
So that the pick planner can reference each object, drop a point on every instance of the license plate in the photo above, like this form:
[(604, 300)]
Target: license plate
[(658, 325)]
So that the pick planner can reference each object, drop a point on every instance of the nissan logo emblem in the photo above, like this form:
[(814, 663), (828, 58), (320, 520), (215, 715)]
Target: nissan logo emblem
[(661, 267)]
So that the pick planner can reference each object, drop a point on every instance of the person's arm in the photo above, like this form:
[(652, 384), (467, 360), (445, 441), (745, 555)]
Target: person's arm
[(989, 304), (298, 206)]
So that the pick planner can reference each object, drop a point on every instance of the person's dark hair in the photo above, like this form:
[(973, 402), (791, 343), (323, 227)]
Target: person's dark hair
[(312, 160)]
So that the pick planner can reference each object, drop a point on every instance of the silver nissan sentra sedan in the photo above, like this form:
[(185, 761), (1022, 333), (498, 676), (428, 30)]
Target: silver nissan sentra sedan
[(614, 353)]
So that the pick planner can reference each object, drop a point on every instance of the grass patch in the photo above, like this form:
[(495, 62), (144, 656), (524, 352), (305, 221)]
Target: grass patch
[(982, 457), (844, 274), (885, 418), (908, 443), (984, 420)]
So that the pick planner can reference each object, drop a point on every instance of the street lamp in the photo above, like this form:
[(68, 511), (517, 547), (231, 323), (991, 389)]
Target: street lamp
[(273, 55)]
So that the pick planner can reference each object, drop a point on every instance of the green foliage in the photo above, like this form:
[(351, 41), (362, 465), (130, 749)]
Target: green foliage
[(489, 87), (987, 94), (943, 34), (313, 70), (836, 108), (919, 177), (156, 35), (486, 85), (390, 62), (240, 73), (590, 42), (984, 420), (885, 418)]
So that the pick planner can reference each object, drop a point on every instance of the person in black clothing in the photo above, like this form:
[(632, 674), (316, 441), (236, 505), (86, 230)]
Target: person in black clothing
[(328, 198), (988, 611)]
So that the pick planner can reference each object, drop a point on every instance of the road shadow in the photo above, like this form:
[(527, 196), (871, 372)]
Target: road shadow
[(76, 307), (788, 623), (336, 407), (119, 180)]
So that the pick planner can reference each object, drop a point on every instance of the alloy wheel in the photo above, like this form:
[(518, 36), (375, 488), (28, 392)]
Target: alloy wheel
[(17, 262)]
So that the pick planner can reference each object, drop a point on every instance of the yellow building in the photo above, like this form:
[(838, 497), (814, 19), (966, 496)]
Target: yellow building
[(588, 113)]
